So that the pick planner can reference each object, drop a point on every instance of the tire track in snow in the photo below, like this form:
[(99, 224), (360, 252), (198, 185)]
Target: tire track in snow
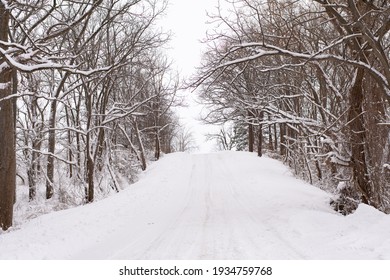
[(213, 221), (261, 225), (179, 240), (142, 247)]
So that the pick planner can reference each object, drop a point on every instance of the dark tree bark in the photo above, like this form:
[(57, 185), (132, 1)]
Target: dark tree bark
[(90, 193), (282, 139), (251, 138), (157, 145), (376, 139), (7, 152), (90, 172), (51, 151), (7, 134), (260, 137), (275, 138), (270, 140), (357, 136)]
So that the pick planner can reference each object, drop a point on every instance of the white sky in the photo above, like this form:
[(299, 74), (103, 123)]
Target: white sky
[(187, 21)]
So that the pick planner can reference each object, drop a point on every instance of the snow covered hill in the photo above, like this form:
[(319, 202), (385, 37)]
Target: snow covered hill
[(228, 205)]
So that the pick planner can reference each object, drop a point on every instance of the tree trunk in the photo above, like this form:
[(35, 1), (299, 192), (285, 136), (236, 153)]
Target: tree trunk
[(282, 139), (101, 144), (98, 157), (157, 145), (275, 138), (251, 134), (141, 146), (7, 135), (7, 152), (357, 137), (52, 139), (375, 108), (90, 193), (270, 140), (70, 154), (251, 138), (51, 150), (90, 171), (260, 137), (260, 142), (78, 135), (32, 171)]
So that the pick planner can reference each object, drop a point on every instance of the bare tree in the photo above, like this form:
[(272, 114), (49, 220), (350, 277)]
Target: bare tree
[(90, 56), (315, 59), (7, 139), (184, 141)]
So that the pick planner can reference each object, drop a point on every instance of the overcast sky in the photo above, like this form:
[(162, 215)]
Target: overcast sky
[(187, 20)]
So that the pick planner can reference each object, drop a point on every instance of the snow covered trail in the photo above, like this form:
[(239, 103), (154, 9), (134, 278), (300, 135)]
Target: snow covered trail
[(228, 205)]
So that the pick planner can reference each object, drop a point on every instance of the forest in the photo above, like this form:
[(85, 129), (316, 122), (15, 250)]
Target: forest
[(87, 94), (309, 82), (86, 97)]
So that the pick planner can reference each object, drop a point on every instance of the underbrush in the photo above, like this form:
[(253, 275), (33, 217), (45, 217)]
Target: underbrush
[(70, 192), (344, 201)]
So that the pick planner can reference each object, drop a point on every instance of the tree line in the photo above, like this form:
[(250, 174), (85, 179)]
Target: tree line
[(86, 96), (310, 82)]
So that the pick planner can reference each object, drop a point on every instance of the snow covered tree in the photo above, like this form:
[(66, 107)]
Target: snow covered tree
[(7, 125), (312, 62), (232, 136), (34, 29), (76, 64)]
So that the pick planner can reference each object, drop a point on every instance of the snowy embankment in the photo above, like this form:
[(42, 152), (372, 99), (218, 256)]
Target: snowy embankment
[(229, 205)]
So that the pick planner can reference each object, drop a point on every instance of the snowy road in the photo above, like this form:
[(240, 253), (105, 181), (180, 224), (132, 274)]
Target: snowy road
[(228, 205)]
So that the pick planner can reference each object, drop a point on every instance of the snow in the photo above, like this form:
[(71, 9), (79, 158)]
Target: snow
[(226, 205), (341, 186), (4, 85), (327, 141)]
